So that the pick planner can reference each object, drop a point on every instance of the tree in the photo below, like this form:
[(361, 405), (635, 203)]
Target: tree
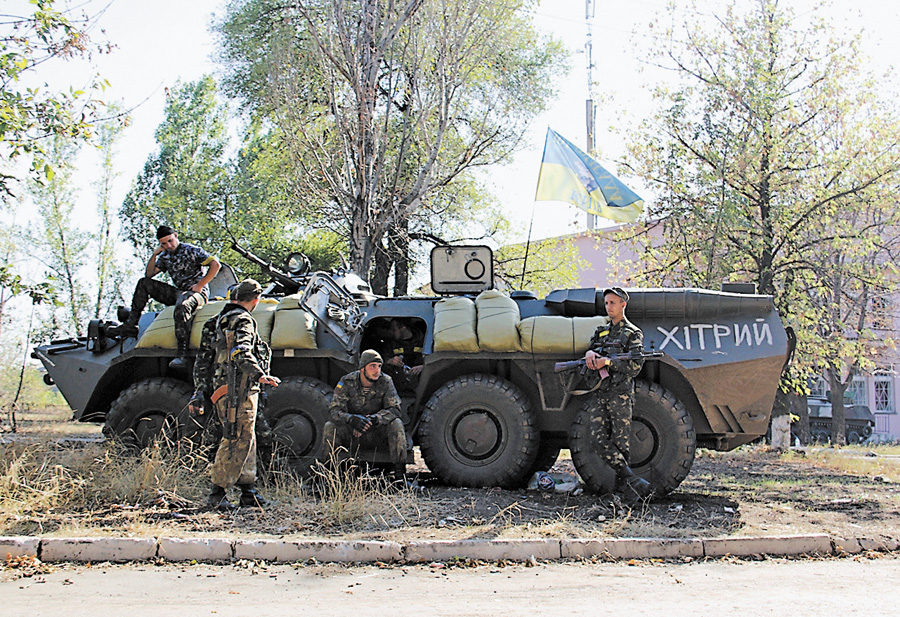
[(110, 274), (59, 245), (384, 105), (32, 115), (211, 200), (768, 141), (185, 183)]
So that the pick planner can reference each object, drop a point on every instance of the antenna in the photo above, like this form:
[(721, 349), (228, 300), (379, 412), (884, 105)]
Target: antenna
[(590, 7)]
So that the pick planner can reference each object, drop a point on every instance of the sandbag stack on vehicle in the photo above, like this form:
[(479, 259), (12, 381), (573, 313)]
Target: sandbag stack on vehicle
[(492, 323), (497, 321), (294, 327), (454, 325), (161, 333)]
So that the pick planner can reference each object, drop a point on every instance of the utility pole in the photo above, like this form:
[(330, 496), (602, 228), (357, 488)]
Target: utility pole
[(590, 112)]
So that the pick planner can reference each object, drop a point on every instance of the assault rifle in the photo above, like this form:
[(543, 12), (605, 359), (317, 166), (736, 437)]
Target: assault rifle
[(571, 365)]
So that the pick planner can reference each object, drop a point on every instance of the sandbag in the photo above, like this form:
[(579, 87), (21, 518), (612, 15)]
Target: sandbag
[(265, 318), (160, 333), (584, 328), (204, 314), (290, 303), (454, 325), (293, 329), (547, 334), (497, 323)]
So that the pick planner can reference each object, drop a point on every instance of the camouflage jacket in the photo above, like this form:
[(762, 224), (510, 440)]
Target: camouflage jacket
[(623, 337), (249, 353), (185, 265), (380, 401)]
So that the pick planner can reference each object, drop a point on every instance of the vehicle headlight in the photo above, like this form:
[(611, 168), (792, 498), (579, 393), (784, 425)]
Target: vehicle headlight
[(297, 264)]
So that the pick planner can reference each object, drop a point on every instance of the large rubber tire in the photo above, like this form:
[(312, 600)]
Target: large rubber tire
[(662, 444), (148, 410), (546, 457), (297, 411), (479, 430)]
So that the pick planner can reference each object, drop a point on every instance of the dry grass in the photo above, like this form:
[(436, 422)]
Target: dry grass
[(883, 461)]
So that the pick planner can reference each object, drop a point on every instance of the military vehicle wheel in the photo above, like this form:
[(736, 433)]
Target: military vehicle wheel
[(297, 411), (148, 410), (546, 457), (853, 437), (479, 430), (662, 442)]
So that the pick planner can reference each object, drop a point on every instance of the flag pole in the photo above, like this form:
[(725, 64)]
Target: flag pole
[(527, 245)]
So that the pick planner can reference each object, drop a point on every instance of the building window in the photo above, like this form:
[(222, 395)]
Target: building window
[(856, 392), (884, 393), (818, 387)]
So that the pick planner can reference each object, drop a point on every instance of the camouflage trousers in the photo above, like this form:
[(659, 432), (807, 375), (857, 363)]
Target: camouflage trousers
[(235, 461), (611, 426), (340, 443), (186, 304)]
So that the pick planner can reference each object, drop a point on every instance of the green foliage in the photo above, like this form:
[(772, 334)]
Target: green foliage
[(384, 108), (34, 394), (30, 115), (57, 243), (110, 270), (775, 158), (551, 264)]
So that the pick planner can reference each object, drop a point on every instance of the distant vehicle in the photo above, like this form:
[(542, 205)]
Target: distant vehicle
[(859, 421)]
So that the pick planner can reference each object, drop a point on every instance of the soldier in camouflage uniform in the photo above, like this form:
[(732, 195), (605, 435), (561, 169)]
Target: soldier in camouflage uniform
[(185, 264), (614, 398), (231, 364), (365, 411)]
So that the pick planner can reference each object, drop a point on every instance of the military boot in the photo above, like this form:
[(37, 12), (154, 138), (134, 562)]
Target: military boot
[(399, 479), (250, 497), (633, 486), (126, 329), (180, 362), (218, 499)]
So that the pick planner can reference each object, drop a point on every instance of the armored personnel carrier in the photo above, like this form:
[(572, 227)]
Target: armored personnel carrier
[(482, 399)]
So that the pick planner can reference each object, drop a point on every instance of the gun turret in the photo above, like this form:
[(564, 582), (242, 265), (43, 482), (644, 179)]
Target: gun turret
[(290, 285)]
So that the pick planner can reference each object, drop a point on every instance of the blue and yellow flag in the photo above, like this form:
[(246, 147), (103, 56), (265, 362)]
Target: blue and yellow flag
[(570, 175)]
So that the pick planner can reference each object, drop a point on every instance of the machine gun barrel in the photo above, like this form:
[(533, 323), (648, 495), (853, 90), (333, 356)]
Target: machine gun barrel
[(570, 365), (277, 274)]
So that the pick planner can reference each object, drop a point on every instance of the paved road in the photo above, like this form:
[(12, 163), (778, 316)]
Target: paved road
[(843, 587)]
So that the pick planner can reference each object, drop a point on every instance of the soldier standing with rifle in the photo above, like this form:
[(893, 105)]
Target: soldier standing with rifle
[(231, 364), (614, 399)]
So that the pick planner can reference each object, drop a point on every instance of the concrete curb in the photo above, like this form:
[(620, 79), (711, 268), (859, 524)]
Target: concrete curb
[(426, 551)]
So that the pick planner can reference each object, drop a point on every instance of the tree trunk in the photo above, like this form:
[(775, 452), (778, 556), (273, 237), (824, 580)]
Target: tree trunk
[(381, 271), (838, 417), (780, 426), (400, 250), (800, 407)]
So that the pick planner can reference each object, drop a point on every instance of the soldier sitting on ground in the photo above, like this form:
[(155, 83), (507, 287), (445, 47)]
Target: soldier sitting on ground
[(365, 411)]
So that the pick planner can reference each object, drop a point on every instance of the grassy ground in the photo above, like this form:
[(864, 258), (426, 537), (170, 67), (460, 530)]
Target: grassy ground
[(57, 478)]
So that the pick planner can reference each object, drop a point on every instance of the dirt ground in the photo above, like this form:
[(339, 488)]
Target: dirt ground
[(751, 491)]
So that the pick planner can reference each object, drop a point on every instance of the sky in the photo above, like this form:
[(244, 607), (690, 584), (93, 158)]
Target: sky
[(159, 42)]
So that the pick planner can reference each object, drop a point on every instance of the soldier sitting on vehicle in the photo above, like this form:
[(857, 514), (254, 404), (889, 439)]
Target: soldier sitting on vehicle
[(365, 411), (185, 263)]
